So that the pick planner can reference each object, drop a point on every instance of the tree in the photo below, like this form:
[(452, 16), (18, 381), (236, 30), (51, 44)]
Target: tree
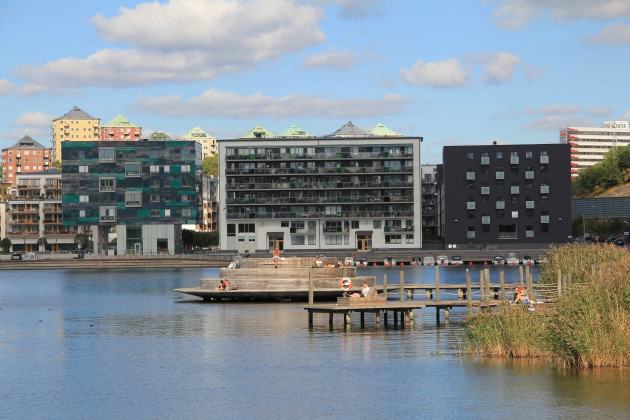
[(57, 165), (82, 241), (5, 244), (210, 165), (42, 242)]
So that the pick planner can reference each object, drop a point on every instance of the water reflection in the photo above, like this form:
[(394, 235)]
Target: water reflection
[(120, 344)]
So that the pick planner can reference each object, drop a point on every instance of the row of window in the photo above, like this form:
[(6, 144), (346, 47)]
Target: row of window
[(507, 231), (134, 169), (134, 198), (500, 204), (472, 176), (516, 189), (486, 220), (514, 156), (108, 213)]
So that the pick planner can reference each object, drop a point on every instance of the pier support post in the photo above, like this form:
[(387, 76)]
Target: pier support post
[(481, 287), (447, 312), (410, 294), (310, 319), (468, 290), (486, 276), (385, 317), (520, 275), (377, 317), (437, 315), (395, 313), (347, 318), (385, 289), (311, 287), (330, 320), (437, 283), (402, 286), (502, 285), (362, 319)]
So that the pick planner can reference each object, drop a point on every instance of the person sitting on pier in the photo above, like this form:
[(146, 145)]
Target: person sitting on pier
[(318, 262), (276, 257), (222, 285), (365, 291), (520, 296)]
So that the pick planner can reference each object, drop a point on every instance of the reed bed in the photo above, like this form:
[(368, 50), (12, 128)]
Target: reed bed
[(588, 325)]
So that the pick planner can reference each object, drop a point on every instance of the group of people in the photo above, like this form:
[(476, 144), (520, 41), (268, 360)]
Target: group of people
[(224, 284), (520, 296)]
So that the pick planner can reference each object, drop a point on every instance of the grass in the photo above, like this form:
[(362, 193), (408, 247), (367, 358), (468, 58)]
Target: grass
[(589, 325)]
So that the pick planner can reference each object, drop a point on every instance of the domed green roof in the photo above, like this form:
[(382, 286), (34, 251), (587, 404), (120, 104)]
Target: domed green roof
[(120, 121), (258, 132), (381, 130), (294, 130)]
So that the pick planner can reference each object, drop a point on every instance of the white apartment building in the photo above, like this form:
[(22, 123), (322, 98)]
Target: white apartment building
[(590, 144), (349, 190)]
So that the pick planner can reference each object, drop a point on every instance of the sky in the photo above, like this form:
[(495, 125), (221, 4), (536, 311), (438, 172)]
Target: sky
[(456, 72)]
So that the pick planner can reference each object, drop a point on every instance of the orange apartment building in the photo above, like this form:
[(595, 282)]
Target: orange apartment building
[(24, 157)]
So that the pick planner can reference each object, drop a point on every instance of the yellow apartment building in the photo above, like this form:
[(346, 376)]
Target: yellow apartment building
[(75, 125)]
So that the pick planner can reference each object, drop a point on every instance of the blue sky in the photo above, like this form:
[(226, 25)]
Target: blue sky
[(457, 72)]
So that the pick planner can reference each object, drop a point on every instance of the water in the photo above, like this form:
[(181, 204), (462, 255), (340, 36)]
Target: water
[(121, 344)]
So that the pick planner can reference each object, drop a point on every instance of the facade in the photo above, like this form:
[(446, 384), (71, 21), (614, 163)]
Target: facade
[(209, 219), (142, 191), (429, 189), (601, 207), (34, 220), (590, 144), (74, 125), (349, 190), (120, 129), (207, 142), (25, 156), (506, 195)]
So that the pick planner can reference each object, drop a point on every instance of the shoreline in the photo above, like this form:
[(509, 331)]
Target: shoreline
[(114, 263)]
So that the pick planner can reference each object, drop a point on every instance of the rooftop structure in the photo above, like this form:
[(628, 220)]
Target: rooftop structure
[(350, 130), (159, 136), (381, 130), (74, 125), (258, 132), (120, 129), (294, 131)]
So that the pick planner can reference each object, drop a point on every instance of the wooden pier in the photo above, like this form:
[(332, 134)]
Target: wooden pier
[(402, 310)]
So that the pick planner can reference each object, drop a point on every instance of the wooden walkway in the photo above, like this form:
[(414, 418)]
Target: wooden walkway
[(404, 310)]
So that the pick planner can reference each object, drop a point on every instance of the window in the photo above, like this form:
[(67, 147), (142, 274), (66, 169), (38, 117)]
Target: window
[(154, 169), (499, 155), (84, 199), (544, 158), (107, 214), (529, 155), (155, 183), (485, 220), (376, 224), (312, 226), (529, 204), (185, 197), (514, 160), (500, 205), (246, 228), (167, 212), (485, 159), (231, 229), (409, 238), (354, 224), (284, 224), (515, 189), (83, 169), (297, 239), (514, 214), (470, 176), (393, 239), (106, 184), (529, 174), (132, 169), (470, 156), (185, 169), (544, 189), (470, 234), (81, 213), (155, 213), (333, 239), (154, 197), (544, 218), (106, 154), (186, 212), (311, 239), (485, 190), (500, 175), (470, 205), (167, 169), (529, 232), (133, 199)]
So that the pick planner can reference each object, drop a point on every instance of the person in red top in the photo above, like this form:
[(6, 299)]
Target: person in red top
[(276, 257)]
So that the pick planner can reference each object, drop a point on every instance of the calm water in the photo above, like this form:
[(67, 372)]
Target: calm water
[(121, 344)]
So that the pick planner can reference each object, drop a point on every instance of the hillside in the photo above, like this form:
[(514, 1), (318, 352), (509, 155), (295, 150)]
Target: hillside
[(617, 191)]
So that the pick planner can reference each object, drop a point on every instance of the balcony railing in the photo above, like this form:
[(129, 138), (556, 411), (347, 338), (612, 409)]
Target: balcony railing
[(317, 200), (316, 171), (320, 156), (318, 215), (315, 186)]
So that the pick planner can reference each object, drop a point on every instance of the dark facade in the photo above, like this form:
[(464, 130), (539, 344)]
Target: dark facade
[(430, 202), (506, 194)]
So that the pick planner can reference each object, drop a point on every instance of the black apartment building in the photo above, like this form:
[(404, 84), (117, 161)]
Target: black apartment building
[(511, 195)]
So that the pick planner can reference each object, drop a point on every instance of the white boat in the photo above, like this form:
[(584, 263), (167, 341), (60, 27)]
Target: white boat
[(348, 262), (442, 260), (498, 261), (512, 260), (428, 260), (527, 260), (457, 260)]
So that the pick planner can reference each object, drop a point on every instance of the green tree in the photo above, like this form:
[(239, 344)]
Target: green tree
[(5, 244), (82, 241), (210, 165), (57, 165)]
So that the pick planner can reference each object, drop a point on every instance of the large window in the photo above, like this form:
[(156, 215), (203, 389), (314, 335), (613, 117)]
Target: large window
[(107, 214), (297, 240), (231, 229), (132, 169), (106, 154), (246, 228), (133, 199), (393, 239)]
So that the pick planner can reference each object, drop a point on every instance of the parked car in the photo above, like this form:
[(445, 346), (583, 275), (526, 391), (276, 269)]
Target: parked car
[(29, 256), (16, 256), (428, 260), (457, 260), (528, 260), (442, 260), (620, 242), (512, 260), (498, 260)]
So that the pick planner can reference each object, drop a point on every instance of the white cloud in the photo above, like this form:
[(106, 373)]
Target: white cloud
[(5, 87), (183, 40), (558, 122), (554, 110), (216, 103), (618, 34), (34, 119), (499, 67), (600, 111), (447, 73), (533, 73), (513, 14), (337, 60), (35, 124)]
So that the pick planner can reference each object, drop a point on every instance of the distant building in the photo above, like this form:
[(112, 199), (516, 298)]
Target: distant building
[(144, 191), (429, 189), (159, 136), (348, 190), (25, 156), (511, 195), (590, 144), (258, 132), (120, 129), (207, 142), (74, 125), (34, 220), (209, 204)]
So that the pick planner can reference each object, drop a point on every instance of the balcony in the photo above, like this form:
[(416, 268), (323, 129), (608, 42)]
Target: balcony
[(514, 160), (318, 215), (544, 160), (544, 189)]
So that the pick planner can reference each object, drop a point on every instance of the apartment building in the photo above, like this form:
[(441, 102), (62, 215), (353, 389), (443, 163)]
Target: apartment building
[(140, 191), (74, 125), (590, 144), (207, 142), (120, 129), (429, 188), (34, 220), (25, 156), (506, 195), (347, 190)]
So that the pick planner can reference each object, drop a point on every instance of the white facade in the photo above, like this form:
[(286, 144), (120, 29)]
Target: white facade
[(590, 144), (154, 240), (309, 231)]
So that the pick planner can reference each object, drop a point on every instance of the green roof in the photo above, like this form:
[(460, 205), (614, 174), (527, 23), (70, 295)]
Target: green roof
[(196, 133), (294, 130), (159, 136), (381, 130), (257, 133), (120, 121)]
